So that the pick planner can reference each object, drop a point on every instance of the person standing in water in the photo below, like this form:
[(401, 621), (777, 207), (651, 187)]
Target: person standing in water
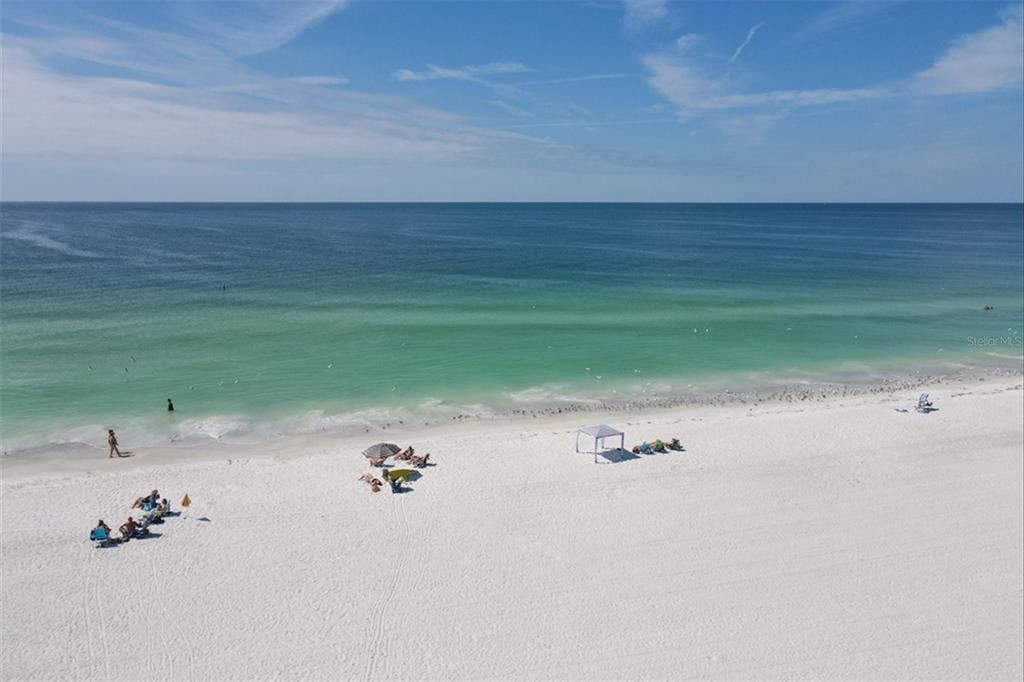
[(170, 405), (112, 442)]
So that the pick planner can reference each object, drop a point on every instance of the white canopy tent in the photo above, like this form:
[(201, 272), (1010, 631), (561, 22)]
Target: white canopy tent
[(599, 433)]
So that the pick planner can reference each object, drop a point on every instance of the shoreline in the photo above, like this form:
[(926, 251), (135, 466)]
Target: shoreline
[(78, 437), (63, 460)]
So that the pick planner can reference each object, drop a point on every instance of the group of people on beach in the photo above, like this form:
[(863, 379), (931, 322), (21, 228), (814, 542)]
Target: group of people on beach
[(153, 509), (395, 478)]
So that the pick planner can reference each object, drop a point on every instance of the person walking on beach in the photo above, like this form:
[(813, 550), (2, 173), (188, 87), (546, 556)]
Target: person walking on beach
[(170, 405), (112, 441)]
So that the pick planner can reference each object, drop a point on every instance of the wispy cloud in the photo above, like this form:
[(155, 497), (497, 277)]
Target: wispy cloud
[(989, 60), (642, 13), (462, 73), (46, 113), (264, 24), (320, 80), (841, 16), (683, 82), (582, 79), (510, 108), (746, 41), (688, 41), (185, 93)]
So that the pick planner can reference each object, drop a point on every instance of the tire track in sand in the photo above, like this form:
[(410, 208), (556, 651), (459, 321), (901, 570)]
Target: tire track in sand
[(155, 589), (141, 598), (97, 597), (169, 619), (86, 607), (421, 540), (378, 640)]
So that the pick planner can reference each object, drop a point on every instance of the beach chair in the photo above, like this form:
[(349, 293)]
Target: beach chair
[(102, 538), (645, 448), (923, 404), (142, 530)]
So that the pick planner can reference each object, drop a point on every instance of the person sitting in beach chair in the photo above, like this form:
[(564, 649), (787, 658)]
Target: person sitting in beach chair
[(675, 445), (923, 404), (419, 462), (660, 446), (101, 535), (128, 529), (148, 502), (143, 527), (157, 514), (378, 462), (645, 448), (406, 455)]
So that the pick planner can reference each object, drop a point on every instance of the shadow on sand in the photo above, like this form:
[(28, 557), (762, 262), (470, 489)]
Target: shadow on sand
[(615, 456)]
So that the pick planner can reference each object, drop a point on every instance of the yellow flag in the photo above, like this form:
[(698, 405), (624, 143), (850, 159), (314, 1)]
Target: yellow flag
[(185, 502)]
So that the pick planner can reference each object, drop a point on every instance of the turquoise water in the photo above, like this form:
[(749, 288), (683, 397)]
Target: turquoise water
[(312, 317)]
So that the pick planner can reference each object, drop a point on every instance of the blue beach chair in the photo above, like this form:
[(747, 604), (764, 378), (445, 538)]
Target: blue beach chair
[(102, 537)]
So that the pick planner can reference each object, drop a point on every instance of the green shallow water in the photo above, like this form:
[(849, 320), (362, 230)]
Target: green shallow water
[(317, 317)]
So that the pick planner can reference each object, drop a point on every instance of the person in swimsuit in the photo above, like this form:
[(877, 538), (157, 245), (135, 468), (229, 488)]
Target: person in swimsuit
[(128, 529), (112, 442)]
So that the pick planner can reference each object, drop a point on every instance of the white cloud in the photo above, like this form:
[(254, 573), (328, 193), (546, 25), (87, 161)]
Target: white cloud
[(682, 82), (462, 73), (320, 80), (750, 36), (46, 113), (582, 79), (263, 26), (510, 108), (641, 13), (840, 16), (989, 60), (686, 42)]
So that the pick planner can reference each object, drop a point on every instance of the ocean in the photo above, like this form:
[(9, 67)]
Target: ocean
[(263, 320)]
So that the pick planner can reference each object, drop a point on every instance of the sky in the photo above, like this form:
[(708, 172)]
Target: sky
[(597, 100)]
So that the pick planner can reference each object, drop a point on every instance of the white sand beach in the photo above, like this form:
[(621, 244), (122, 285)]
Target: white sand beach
[(841, 539)]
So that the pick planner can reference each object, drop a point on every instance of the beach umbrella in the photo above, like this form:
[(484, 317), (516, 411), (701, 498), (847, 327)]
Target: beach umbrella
[(381, 450), (403, 475)]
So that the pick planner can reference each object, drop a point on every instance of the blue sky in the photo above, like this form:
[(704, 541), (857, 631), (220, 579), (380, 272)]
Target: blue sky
[(635, 100)]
